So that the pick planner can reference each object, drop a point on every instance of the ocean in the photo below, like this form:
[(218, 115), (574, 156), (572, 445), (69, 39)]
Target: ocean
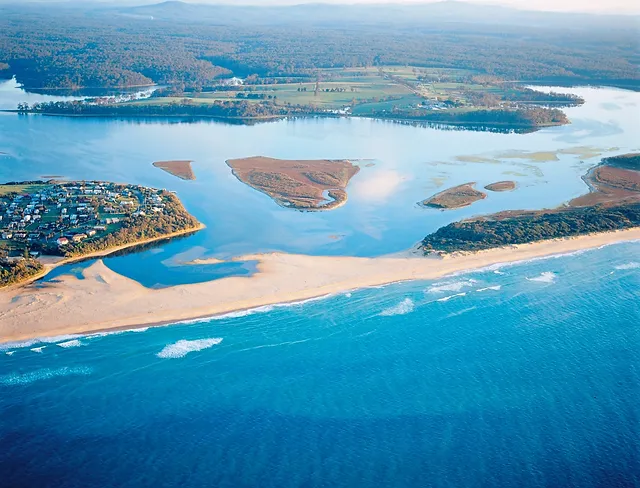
[(524, 375)]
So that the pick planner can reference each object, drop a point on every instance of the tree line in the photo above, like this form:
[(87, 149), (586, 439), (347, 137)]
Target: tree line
[(487, 233)]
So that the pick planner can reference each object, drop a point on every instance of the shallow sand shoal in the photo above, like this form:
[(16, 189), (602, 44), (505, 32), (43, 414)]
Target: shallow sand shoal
[(105, 300)]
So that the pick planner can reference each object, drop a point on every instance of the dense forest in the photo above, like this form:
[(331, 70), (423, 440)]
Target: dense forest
[(54, 47), (240, 109), (487, 233), (523, 117), (16, 271)]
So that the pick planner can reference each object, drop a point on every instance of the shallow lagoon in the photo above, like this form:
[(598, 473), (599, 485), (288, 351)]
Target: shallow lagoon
[(401, 165)]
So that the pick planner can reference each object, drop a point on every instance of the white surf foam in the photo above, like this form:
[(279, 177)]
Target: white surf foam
[(10, 353), (545, 277), (38, 349), (116, 332), (442, 287), (404, 307), (446, 299), (487, 288), (348, 295), (251, 311), (72, 343), (184, 347), (631, 265), (42, 374)]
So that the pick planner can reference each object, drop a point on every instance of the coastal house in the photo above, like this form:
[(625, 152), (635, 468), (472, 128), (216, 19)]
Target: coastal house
[(62, 241), (79, 237)]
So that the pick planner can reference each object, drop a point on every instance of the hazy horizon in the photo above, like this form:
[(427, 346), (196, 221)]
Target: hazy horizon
[(596, 7)]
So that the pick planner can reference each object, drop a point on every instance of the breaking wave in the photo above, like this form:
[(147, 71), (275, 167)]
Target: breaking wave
[(487, 288), (545, 277), (404, 307), (42, 374), (251, 311), (116, 332), (446, 299), (184, 347), (38, 349), (631, 265), (450, 286), (72, 343), (37, 340)]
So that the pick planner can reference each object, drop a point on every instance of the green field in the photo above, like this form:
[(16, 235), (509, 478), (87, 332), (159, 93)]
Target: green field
[(6, 189), (367, 91)]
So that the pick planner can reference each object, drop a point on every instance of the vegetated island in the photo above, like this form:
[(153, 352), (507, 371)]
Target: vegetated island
[(310, 185), (455, 197), (460, 99), (506, 185), (44, 224), (612, 204), (179, 168)]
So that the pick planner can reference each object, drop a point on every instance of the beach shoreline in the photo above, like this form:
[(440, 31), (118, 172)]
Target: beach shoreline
[(104, 301), (52, 262)]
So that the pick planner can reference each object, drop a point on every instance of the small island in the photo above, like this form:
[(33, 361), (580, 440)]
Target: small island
[(455, 197), (310, 185), (59, 222), (501, 186), (178, 168), (613, 203)]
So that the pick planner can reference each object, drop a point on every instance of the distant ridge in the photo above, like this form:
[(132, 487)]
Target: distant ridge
[(426, 15)]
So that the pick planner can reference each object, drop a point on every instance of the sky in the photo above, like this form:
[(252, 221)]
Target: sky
[(594, 6), (608, 6)]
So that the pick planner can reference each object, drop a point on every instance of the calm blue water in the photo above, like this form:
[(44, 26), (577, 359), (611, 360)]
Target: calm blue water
[(401, 165), (529, 379)]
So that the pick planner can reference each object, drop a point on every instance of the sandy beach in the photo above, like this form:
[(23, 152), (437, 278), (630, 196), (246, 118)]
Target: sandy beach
[(105, 300)]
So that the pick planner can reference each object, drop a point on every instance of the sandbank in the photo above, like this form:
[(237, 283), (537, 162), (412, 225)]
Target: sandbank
[(105, 300)]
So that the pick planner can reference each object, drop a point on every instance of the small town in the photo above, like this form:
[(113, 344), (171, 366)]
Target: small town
[(52, 217)]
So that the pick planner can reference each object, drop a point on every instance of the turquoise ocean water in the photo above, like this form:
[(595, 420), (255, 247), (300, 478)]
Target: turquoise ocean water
[(523, 375)]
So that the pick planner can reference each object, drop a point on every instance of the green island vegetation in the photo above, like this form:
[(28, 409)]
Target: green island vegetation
[(487, 233), (613, 203), (74, 219), (629, 161)]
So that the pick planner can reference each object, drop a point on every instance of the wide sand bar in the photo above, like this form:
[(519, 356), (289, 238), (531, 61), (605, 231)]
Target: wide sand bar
[(105, 300)]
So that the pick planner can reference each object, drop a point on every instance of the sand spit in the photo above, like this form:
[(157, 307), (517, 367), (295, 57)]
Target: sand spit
[(105, 300), (178, 168)]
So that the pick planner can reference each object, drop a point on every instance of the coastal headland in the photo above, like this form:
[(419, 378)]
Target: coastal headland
[(48, 223), (104, 300), (299, 184)]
